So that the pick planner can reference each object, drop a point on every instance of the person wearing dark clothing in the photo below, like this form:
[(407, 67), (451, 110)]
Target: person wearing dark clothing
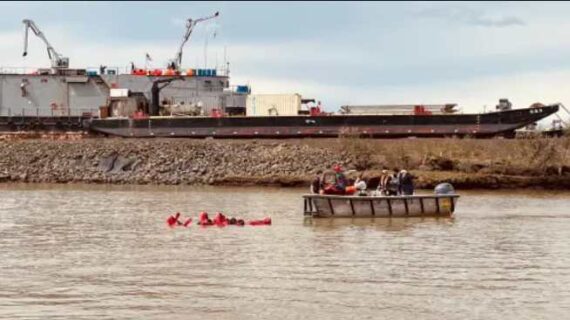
[(406, 183), (389, 184), (316, 185), (396, 181), (393, 186)]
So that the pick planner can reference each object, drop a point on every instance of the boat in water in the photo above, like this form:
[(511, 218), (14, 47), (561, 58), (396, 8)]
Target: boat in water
[(335, 206), (201, 103), (331, 198)]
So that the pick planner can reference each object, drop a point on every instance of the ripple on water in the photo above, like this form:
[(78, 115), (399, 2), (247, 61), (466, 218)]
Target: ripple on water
[(104, 252)]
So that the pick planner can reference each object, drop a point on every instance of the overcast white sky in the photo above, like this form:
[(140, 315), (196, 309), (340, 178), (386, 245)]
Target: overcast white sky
[(340, 53)]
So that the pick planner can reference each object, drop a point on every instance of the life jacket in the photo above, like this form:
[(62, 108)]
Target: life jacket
[(204, 220), (350, 190), (264, 221), (173, 219), (332, 189), (220, 220)]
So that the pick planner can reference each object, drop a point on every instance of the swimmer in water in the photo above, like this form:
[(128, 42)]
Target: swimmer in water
[(173, 220)]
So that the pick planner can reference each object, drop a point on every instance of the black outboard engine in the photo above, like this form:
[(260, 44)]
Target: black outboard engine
[(444, 188)]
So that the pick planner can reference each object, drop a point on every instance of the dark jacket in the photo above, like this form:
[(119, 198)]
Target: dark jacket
[(316, 185), (406, 183)]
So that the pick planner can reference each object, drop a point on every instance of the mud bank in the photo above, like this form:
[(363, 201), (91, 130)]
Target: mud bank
[(465, 163)]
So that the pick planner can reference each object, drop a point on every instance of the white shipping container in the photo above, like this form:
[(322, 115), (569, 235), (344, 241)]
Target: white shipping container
[(117, 93), (273, 104)]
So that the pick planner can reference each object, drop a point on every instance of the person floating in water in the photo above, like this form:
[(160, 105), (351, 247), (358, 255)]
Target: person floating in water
[(204, 220), (173, 221), (219, 220), (264, 221)]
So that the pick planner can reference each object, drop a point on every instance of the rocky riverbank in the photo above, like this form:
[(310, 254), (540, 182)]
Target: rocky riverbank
[(464, 163)]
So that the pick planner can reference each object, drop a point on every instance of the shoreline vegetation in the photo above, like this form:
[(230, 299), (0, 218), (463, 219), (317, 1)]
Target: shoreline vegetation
[(542, 163)]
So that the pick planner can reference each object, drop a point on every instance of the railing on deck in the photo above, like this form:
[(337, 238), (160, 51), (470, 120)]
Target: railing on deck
[(17, 70), (95, 70)]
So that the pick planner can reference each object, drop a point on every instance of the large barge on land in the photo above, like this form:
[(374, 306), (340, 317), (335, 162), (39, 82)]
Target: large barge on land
[(200, 103)]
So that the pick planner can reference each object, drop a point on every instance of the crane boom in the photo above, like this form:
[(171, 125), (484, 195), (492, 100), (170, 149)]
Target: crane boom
[(57, 60), (155, 91), (190, 24)]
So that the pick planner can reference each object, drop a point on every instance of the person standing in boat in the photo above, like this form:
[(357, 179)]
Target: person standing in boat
[(385, 178), (406, 180), (316, 185), (395, 182), (341, 181)]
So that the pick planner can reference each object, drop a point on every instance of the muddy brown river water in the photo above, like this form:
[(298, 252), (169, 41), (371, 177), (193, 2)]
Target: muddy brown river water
[(104, 252)]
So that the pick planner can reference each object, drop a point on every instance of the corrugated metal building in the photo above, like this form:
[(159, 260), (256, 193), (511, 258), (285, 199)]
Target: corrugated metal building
[(273, 104)]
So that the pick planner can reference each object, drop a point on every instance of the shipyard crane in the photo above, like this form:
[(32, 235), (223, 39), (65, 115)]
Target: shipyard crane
[(57, 60), (190, 24)]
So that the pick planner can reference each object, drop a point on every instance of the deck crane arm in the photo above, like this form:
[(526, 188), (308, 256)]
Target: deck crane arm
[(155, 91), (190, 24), (57, 60)]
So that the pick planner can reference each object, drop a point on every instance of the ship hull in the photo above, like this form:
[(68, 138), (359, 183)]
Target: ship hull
[(43, 123), (381, 126)]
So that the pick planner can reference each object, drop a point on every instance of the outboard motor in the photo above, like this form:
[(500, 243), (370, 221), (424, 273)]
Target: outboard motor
[(444, 188)]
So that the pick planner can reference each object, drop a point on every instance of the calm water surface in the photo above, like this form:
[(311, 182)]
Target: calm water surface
[(100, 252)]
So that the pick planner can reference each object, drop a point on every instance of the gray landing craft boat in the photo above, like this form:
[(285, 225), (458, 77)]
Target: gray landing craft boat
[(437, 205)]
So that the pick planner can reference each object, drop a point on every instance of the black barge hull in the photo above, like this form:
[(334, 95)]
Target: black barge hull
[(44, 123), (485, 125)]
